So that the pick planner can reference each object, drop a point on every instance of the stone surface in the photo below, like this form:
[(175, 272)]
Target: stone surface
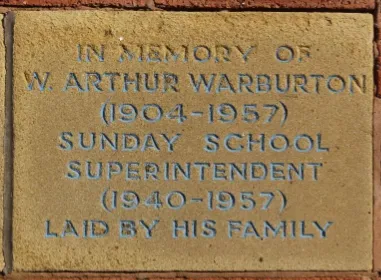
[(203, 4), (377, 184), (304, 195), (74, 3), (119, 276), (293, 4)]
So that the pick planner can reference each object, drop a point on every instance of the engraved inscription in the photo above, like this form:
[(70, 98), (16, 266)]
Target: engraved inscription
[(154, 145)]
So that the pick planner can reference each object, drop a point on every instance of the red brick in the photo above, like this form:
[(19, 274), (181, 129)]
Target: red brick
[(202, 4), (118, 276)]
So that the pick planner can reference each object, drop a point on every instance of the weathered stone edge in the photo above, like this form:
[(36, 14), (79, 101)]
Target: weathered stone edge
[(116, 276), (367, 5), (377, 38), (377, 144)]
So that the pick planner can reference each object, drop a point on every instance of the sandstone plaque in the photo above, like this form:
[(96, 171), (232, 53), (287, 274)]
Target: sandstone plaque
[(153, 141)]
